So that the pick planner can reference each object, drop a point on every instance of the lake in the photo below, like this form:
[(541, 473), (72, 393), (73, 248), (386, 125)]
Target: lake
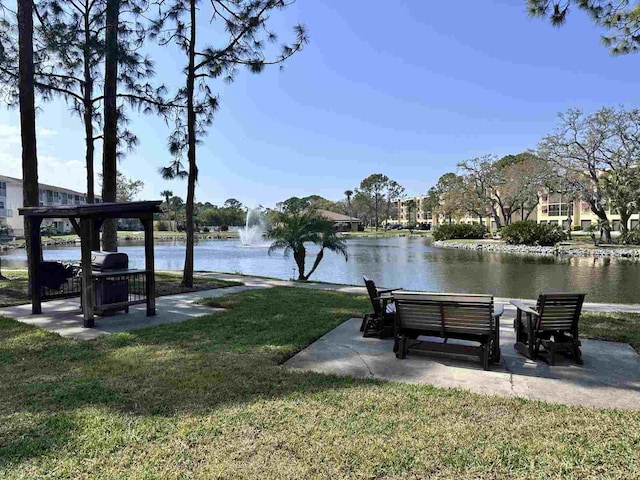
[(411, 263)]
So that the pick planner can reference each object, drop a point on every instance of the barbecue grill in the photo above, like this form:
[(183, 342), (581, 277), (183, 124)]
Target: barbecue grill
[(112, 291), (105, 261)]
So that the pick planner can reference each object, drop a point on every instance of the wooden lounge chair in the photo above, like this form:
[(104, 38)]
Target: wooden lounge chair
[(552, 324), (379, 323), (448, 316)]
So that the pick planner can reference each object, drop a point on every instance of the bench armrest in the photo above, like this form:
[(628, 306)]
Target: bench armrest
[(498, 310), (521, 306)]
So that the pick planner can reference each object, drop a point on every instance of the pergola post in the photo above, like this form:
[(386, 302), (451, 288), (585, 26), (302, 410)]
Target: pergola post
[(150, 283), (88, 295), (34, 255)]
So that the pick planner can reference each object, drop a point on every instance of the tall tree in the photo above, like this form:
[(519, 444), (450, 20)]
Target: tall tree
[(620, 19), (622, 187), (26, 88), (394, 191), (110, 131), (449, 189), (167, 194), (374, 186), (349, 194), (584, 147), (245, 23)]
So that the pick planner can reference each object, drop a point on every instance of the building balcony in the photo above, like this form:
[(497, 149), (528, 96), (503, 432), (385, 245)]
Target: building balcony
[(6, 213)]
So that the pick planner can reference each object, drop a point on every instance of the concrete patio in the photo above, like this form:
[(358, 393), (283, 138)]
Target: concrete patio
[(609, 378)]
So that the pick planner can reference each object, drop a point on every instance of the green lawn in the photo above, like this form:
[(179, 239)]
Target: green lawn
[(617, 327), (207, 398), (14, 290)]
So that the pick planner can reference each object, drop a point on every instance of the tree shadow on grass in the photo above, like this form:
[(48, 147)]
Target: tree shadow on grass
[(193, 367)]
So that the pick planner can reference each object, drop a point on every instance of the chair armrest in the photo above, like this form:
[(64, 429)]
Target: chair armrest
[(498, 310), (388, 290), (521, 306)]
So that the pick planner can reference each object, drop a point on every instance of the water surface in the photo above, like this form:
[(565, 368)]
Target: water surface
[(411, 263)]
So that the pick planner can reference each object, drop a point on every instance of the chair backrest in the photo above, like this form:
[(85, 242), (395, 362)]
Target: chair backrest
[(373, 295), (559, 311), (446, 313)]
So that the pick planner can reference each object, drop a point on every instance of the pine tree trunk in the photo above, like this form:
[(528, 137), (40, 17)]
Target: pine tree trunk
[(187, 274), (88, 123), (110, 137), (30, 192)]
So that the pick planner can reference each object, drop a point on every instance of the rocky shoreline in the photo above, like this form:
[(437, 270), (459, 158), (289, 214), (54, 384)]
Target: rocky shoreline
[(632, 253)]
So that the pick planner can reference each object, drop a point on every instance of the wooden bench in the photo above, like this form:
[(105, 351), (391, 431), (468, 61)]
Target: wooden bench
[(447, 316), (552, 325)]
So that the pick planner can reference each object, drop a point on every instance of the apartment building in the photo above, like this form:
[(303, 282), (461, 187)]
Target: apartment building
[(557, 210), (417, 214), (11, 201)]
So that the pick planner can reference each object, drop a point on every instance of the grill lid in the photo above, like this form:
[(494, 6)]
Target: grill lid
[(102, 261)]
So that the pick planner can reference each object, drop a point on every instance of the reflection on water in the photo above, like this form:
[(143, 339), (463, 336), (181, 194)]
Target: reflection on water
[(411, 263)]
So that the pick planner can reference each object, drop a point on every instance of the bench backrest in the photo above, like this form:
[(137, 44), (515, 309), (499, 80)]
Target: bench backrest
[(559, 311), (373, 295), (445, 313)]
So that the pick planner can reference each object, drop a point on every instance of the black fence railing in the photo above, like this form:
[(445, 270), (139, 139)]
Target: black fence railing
[(113, 290)]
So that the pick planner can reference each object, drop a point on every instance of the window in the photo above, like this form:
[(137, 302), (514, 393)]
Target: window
[(558, 209), (3, 189), (49, 196), (64, 198), (585, 224)]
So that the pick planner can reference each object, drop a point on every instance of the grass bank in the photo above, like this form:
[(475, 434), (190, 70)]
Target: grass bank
[(371, 232), (207, 399), (616, 327), (13, 291)]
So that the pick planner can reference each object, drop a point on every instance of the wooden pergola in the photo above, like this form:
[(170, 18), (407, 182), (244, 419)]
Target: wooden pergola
[(87, 220)]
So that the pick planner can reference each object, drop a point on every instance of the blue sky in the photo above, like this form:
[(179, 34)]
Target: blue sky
[(408, 91)]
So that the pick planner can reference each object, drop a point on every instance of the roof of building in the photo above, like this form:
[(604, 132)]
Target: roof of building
[(7, 179), (338, 217)]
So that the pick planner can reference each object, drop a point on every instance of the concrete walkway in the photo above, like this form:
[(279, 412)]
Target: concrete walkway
[(609, 378)]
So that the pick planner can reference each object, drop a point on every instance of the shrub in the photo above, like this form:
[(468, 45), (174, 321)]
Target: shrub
[(162, 226), (224, 228), (459, 231), (576, 228), (632, 237), (206, 229), (531, 233)]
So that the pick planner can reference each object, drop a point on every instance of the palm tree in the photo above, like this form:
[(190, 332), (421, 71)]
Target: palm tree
[(167, 194), (177, 203), (348, 193), (293, 230)]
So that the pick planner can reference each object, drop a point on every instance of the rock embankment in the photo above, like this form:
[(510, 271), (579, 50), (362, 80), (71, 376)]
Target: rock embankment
[(621, 252)]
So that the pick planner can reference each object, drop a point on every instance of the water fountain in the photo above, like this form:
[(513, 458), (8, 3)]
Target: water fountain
[(252, 234)]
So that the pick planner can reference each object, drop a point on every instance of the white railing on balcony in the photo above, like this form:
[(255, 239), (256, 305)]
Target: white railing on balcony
[(6, 213)]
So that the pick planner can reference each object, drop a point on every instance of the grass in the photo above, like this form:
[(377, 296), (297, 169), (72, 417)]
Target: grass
[(14, 290), (616, 327), (207, 399)]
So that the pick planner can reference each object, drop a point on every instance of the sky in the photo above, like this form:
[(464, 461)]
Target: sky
[(407, 88)]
